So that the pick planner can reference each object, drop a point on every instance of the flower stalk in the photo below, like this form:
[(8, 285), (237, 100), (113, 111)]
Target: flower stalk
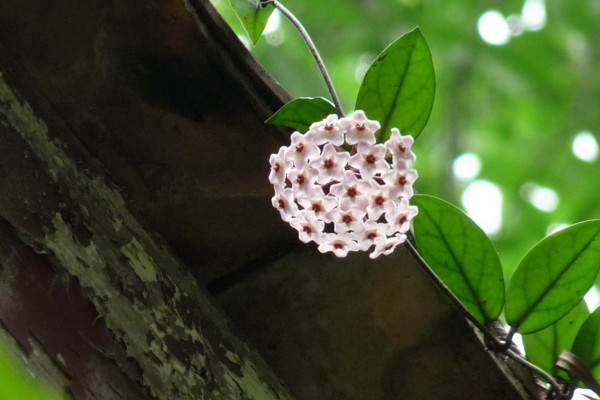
[(313, 49)]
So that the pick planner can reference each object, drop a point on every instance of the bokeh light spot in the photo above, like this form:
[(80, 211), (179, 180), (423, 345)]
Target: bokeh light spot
[(245, 40), (516, 25), (493, 28), (466, 167), (275, 38), (584, 394), (273, 23), (585, 147), (483, 202), (362, 66), (534, 14), (543, 198), (592, 298), (555, 227)]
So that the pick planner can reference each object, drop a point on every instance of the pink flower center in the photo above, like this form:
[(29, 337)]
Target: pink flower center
[(338, 245), (300, 179), (328, 163), (307, 229), (402, 180), (347, 219), (328, 126), (299, 147), (402, 147), (402, 219), (277, 167), (360, 126), (372, 235), (389, 246), (370, 159), (351, 192), (281, 203), (316, 207), (379, 200)]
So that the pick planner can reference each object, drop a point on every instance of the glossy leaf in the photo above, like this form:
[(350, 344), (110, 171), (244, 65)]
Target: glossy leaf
[(553, 277), (587, 343), (253, 17), (300, 113), (399, 87), (544, 347), (461, 255)]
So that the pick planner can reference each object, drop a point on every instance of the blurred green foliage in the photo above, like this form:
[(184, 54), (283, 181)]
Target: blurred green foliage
[(15, 384), (518, 106)]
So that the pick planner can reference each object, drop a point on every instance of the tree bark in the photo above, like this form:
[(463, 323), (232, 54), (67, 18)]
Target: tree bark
[(133, 177)]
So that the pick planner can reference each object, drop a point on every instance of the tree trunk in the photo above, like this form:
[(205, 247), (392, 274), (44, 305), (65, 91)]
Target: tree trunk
[(140, 255)]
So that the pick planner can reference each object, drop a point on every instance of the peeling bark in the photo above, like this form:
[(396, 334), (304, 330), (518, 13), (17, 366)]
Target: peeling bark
[(57, 331), (180, 342)]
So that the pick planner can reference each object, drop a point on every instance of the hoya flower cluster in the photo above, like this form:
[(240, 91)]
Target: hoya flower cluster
[(346, 201)]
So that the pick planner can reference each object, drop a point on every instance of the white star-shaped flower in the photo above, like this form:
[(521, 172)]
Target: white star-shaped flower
[(358, 128), (399, 220), (340, 245), (318, 205), (326, 131), (347, 220), (370, 160), (387, 246), (381, 200), (308, 229), (351, 191), (372, 234), (284, 202), (400, 146), (402, 180), (330, 164), (279, 167), (303, 181), (301, 150)]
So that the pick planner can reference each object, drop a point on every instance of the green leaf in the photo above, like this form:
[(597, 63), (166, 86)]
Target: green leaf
[(587, 343), (399, 87), (253, 17), (553, 277), (544, 347), (300, 113), (461, 254)]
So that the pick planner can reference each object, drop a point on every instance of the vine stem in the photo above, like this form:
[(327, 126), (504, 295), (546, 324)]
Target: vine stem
[(313, 49), (540, 372)]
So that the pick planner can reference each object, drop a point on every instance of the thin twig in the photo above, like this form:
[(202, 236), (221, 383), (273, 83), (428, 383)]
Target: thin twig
[(313, 50)]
